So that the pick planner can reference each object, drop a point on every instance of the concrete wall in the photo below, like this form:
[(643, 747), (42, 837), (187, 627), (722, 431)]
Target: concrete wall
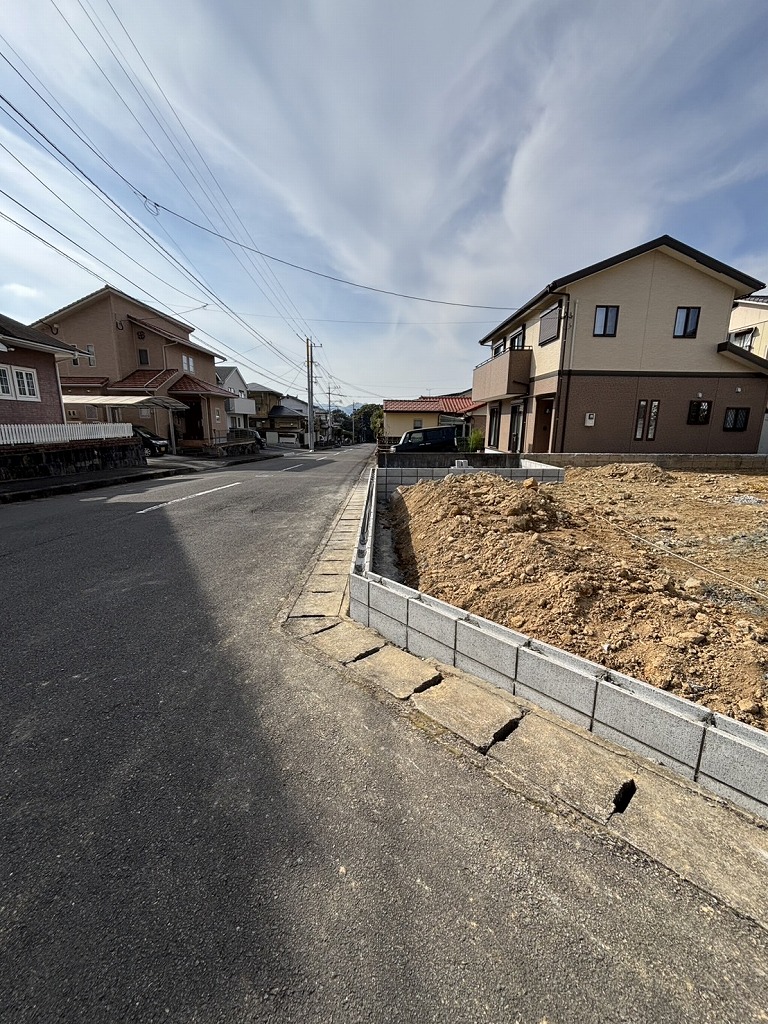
[(672, 461), (21, 462), (721, 754)]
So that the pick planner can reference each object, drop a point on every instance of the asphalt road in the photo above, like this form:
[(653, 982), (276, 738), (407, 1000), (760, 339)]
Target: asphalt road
[(200, 822)]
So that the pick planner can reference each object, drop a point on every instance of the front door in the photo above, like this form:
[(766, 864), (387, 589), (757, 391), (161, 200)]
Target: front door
[(542, 430)]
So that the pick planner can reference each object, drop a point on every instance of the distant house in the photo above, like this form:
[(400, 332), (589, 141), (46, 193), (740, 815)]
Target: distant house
[(628, 355), (264, 399), (404, 414), (140, 366), (30, 391), (239, 407)]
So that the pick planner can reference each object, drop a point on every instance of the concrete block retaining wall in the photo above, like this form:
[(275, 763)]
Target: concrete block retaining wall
[(725, 756), (389, 479)]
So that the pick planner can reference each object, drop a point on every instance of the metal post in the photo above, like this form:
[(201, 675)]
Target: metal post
[(310, 401)]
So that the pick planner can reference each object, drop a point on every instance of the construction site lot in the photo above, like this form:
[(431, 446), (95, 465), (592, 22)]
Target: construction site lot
[(657, 574)]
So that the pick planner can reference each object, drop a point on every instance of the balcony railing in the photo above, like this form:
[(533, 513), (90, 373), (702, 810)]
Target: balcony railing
[(241, 406), (61, 433), (508, 373)]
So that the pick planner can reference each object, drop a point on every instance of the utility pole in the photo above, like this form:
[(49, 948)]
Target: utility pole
[(310, 400), (353, 423), (330, 425)]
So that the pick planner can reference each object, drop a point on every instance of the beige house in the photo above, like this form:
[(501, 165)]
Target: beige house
[(628, 355), (749, 325), (428, 411), (141, 367)]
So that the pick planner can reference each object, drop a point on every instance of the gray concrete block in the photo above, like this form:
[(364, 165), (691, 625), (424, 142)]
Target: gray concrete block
[(435, 622), (425, 646), (486, 648), (663, 699), (443, 606), (390, 629), (496, 630), (737, 764), (358, 611), (567, 660), (756, 807), (474, 668), (657, 726), (629, 743), (541, 700), (385, 600), (558, 681), (746, 733), (399, 588), (358, 588)]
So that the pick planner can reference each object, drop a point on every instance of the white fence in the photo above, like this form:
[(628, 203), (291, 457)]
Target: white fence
[(60, 433)]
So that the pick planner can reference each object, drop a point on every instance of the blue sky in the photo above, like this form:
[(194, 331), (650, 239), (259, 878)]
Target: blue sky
[(465, 152)]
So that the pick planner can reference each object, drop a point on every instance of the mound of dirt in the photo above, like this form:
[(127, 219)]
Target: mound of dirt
[(662, 576)]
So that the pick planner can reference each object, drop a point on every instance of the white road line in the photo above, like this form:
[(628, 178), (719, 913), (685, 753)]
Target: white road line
[(199, 494)]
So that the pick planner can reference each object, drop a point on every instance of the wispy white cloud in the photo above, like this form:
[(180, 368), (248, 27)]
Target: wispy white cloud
[(466, 151)]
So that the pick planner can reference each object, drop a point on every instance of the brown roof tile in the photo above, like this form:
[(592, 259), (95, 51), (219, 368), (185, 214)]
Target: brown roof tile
[(189, 385)]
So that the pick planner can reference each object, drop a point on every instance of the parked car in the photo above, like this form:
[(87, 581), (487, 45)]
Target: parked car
[(246, 434), (151, 442), (428, 439)]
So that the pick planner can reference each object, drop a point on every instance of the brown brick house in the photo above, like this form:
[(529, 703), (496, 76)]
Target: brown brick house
[(29, 378), (627, 355), (141, 366)]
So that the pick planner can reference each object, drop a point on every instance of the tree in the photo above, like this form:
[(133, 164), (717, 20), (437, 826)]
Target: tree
[(369, 420)]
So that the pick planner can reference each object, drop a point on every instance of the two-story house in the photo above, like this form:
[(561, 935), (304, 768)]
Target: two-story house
[(627, 355), (141, 367), (239, 407), (264, 399)]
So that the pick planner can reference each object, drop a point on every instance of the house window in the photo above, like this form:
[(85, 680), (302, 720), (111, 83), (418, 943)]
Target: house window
[(549, 325), (143, 357), (606, 319), (699, 412), (736, 419), (499, 347), (494, 420), (145, 413), (418, 424), (6, 388), (91, 413), (647, 419), (517, 340), (218, 415), (742, 338), (653, 419), (25, 382), (188, 364), (91, 355), (687, 321)]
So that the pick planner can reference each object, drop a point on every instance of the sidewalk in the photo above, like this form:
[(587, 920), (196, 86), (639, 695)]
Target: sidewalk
[(163, 466), (701, 838)]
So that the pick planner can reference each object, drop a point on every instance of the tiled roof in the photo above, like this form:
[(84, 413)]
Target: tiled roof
[(146, 380), (83, 382), (756, 298), (188, 385), (13, 329), (453, 404)]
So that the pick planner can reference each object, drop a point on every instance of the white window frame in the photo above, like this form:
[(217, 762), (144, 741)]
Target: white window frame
[(188, 363), (11, 372)]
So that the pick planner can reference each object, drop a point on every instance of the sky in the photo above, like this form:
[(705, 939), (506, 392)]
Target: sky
[(197, 153)]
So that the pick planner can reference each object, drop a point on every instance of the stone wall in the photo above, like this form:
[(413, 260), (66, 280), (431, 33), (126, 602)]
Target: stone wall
[(34, 462)]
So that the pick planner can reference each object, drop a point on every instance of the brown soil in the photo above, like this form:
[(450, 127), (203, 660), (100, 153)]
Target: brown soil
[(662, 576)]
